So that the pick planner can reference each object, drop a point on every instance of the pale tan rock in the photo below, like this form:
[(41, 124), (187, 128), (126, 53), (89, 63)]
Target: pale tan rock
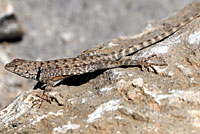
[(123, 100)]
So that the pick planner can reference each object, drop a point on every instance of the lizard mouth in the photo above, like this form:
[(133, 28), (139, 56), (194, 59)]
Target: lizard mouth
[(10, 67)]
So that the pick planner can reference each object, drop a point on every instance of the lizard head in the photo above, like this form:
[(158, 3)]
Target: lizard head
[(24, 68)]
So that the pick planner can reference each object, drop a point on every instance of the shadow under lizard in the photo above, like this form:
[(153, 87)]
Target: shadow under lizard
[(48, 72)]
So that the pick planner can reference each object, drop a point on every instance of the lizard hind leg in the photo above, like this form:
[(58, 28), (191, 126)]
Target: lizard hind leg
[(145, 64), (142, 62)]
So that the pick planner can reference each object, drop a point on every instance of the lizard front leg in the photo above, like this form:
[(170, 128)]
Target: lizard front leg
[(46, 96)]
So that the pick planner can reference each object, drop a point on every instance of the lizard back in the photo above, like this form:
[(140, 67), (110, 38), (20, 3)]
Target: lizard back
[(44, 71), (116, 55)]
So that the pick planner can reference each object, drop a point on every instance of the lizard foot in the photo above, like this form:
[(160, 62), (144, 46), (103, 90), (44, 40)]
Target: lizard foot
[(145, 64), (45, 97), (141, 62)]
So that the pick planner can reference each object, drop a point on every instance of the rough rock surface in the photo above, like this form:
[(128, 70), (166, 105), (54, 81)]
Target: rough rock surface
[(65, 28), (9, 26), (124, 100)]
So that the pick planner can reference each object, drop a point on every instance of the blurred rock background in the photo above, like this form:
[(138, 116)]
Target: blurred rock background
[(57, 29)]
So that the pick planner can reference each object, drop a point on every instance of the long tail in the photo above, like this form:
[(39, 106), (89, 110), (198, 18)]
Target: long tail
[(135, 47)]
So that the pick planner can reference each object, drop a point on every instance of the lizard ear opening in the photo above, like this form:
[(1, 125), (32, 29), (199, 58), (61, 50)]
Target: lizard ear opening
[(37, 77)]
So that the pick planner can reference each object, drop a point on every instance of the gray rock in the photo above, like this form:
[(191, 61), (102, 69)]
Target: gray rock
[(124, 100), (9, 25), (64, 29)]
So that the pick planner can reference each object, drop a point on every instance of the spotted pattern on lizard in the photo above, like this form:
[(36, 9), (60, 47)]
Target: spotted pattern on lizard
[(50, 71), (141, 45)]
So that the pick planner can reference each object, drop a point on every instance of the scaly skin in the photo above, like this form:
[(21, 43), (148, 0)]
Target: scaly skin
[(48, 72)]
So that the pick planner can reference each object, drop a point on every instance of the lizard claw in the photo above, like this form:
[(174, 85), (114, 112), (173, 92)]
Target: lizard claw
[(144, 64), (44, 97)]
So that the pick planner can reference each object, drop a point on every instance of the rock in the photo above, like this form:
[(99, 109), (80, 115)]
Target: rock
[(10, 28), (124, 100)]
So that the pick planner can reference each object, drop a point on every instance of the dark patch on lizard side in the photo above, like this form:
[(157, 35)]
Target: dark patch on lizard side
[(74, 59), (66, 66), (84, 58), (98, 56), (56, 61), (57, 66), (48, 62), (65, 60), (75, 65)]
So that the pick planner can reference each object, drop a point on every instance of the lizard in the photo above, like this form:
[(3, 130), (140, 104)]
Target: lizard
[(144, 44), (48, 72)]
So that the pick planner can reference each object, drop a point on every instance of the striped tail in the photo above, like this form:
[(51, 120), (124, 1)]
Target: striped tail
[(136, 47)]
